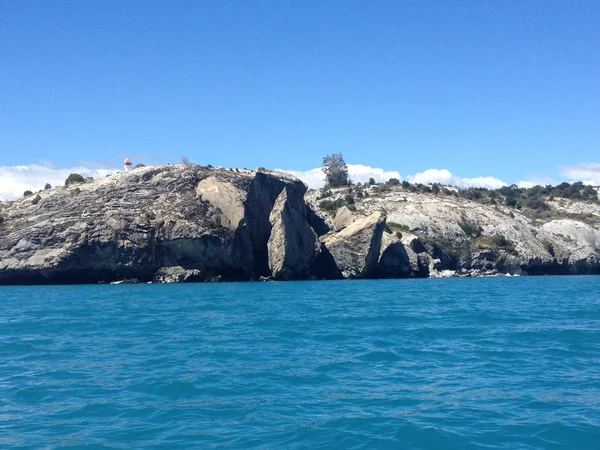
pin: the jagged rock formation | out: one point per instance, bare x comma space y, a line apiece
185, 223
355, 249
132, 224
177, 274
433, 240
293, 245
343, 218
395, 261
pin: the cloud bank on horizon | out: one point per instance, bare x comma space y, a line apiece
14, 180
589, 173
360, 174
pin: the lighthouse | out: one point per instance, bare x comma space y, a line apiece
127, 164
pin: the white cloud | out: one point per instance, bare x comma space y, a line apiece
589, 173
314, 178
444, 176
537, 181
359, 173
14, 180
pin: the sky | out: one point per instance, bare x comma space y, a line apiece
468, 93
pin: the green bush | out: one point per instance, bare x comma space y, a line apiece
332, 205
536, 203
73, 179
47, 186
499, 240
371, 181
27, 193
424, 188
381, 188
398, 227
496, 242
405, 184
470, 228
393, 182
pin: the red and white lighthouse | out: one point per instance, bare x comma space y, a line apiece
127, 164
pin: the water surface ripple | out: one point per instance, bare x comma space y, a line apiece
421, 364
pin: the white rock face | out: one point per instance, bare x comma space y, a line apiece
569, 232
356, 248
572, 239
225, 196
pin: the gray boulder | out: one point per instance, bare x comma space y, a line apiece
355, 249
343, 218
177, 274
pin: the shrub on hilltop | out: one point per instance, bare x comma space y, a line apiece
74, 178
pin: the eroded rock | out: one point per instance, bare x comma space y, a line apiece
293, 245
394, 261
177, 274
356, 248
343, 218
130, 224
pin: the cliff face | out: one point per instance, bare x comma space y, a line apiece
192, 223
428, 233
214, 222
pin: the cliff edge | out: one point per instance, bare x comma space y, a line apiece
181, 223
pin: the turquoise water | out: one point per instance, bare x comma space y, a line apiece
510, 363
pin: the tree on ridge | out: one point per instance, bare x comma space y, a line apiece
335, 170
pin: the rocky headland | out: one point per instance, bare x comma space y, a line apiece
186, 223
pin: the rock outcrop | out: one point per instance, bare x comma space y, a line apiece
185, 223
132, 224
433, 240
343, 218
177, 274
394, 261
356, 248
293, 245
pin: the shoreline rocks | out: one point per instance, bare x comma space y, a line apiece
189, 223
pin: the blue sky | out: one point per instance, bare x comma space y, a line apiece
503, 88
